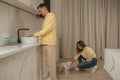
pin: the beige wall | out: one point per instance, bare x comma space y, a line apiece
11, 19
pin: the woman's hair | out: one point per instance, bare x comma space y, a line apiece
82, 44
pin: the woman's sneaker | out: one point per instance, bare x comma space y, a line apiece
93, 69
77, 69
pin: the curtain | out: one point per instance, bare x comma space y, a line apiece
96, 22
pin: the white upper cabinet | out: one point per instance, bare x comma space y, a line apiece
35, 3
26, 2
26, 5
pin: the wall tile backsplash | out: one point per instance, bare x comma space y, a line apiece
11, 19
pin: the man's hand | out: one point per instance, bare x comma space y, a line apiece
31, 35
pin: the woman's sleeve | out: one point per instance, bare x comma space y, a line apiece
77, 56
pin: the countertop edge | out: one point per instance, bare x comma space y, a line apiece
19, 50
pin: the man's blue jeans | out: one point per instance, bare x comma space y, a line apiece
86, 64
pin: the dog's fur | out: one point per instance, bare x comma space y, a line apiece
66, 66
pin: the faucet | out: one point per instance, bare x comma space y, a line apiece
18, 32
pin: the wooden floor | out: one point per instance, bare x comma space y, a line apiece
100, 74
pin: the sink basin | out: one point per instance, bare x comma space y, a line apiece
29, 40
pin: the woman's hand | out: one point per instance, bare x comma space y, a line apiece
72, 60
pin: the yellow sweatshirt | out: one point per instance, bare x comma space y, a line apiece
87, 53
48, 31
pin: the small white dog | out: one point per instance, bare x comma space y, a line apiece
66, 66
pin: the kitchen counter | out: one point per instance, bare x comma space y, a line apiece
112, 63
21, 62
10, 50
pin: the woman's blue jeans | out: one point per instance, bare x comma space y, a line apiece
86, 64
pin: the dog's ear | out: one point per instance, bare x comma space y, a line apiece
69, 62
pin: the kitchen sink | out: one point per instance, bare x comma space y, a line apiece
29, 40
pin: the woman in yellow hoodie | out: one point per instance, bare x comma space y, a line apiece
86, 57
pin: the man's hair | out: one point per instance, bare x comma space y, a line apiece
42, 5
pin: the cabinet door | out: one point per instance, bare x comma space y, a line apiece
108, 64
24, 5
39, 62
26, 2
21, 66
117, 66
35, 3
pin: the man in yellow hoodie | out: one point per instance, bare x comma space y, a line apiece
49, 36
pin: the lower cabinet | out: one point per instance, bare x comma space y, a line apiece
25, 65
112, 63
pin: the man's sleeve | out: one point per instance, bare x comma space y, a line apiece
48, 26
